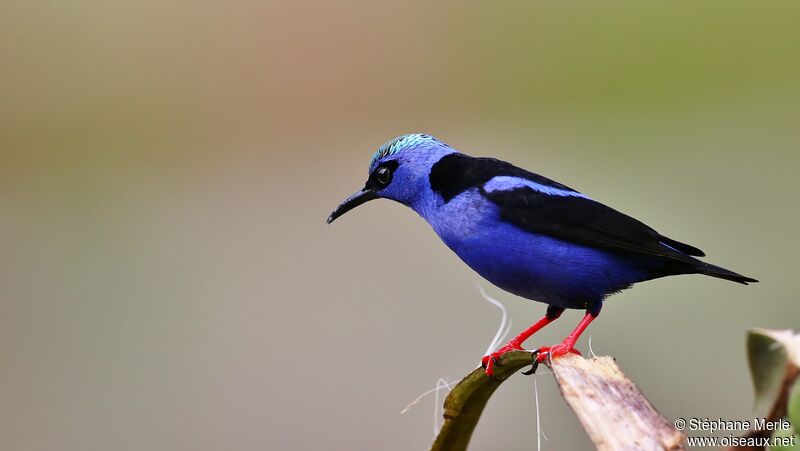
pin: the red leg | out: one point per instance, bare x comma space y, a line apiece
515, 344
568, 345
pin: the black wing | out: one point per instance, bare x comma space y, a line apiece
584, 221
569, 217
561, 212
456, 173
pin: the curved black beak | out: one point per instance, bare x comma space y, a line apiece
365, 195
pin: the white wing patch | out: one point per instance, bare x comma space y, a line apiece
507, 183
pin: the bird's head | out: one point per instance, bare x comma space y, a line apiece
398, 171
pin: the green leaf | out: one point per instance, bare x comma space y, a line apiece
464, 405
793, 406
785, 436
769, 352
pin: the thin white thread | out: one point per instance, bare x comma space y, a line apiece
539, 432
437, 415
502, 332
538, 423
426, 393
505, 333
591, 351
505, 326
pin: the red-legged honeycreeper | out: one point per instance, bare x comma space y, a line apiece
525, 233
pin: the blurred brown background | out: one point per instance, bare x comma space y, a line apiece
166, 168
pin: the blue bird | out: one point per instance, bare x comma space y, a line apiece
525, 233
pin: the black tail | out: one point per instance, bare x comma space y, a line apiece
683, 247
722, 273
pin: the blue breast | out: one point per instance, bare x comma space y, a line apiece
532, 265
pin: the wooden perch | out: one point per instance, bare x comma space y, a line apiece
610, 407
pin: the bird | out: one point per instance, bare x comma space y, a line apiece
525, 233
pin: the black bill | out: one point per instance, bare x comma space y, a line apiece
365, 195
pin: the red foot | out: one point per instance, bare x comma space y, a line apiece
555, 351
488, 361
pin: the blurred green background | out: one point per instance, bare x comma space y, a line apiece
169, 284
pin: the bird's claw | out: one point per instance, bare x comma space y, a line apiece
488, 362
563, 349
540, 355
534, 363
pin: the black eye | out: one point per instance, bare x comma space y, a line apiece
383, 175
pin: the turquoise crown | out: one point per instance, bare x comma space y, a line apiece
400, 143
